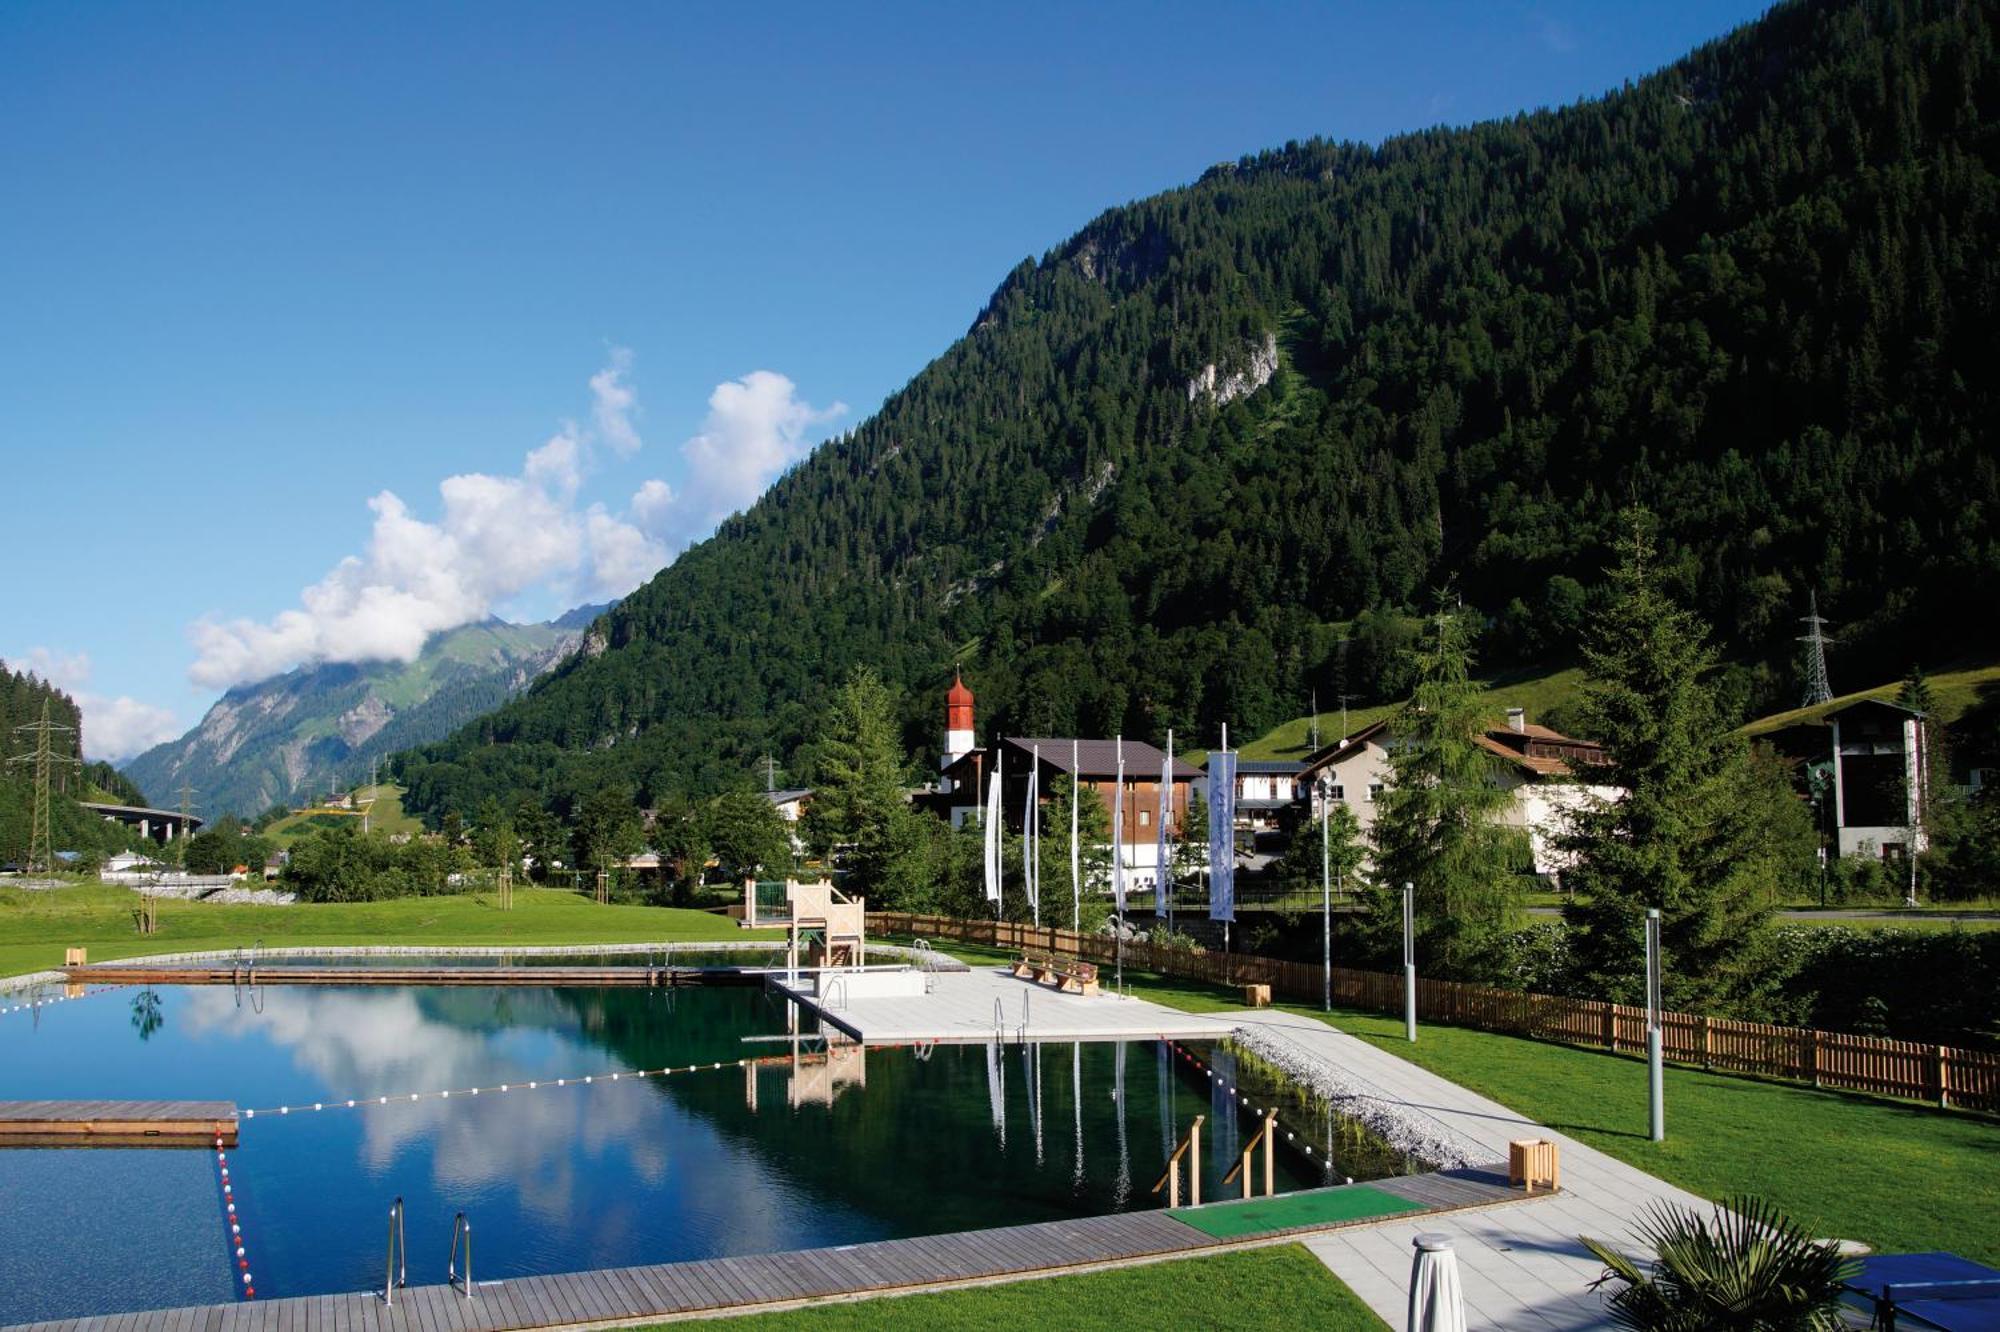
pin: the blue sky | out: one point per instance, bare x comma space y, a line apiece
264, 264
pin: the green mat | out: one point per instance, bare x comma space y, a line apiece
1287, 1211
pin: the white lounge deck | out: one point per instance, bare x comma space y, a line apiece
960, 1009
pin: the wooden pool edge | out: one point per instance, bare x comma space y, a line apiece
117, 1123
765, 1283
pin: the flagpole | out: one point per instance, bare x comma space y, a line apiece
1031, 837
1166, 888
1118, 860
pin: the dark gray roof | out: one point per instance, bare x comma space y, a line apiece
1099, 758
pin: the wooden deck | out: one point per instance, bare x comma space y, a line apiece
117, 1123
635, 977
760, 1281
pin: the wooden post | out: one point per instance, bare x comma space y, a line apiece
1194, 1159
1611, 1026
1173, 1183
1707, 1041
1944, 1077
1812, 1056
1270, 1136
1244, 1167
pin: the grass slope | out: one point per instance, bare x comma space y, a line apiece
1278, 1289
1955, 691
1538, 692
385, 815
35, 927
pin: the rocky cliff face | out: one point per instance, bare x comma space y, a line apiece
315, 728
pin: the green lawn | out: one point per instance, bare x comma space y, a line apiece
1278, 1288
35, 927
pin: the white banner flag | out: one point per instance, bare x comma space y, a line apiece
1075, 849
1161, 879
993, 833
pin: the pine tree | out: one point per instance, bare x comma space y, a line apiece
858, 812
1438, 826
1683, 835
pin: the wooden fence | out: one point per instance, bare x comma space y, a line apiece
1940, 1074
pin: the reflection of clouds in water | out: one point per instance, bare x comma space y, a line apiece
380, 1042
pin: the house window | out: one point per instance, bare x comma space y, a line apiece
1374, 790
1337, 792
1145, 818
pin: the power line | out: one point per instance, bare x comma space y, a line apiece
41, 837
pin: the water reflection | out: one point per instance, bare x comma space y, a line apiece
147, 1016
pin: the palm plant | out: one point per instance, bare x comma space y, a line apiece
1749, 1266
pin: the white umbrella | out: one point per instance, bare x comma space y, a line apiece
1436, 1302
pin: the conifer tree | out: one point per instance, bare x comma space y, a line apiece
1438, 826
1682, 836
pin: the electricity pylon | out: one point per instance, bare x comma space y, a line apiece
41, 838
1817, 690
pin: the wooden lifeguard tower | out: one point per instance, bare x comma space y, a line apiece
824, 927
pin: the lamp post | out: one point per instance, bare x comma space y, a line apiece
1656, 1091
1326, 893
1410, 961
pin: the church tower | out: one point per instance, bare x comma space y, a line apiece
958, 740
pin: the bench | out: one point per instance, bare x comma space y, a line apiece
1034, 966
1077, 977
1067, 974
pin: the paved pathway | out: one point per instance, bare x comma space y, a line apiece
1521, 1265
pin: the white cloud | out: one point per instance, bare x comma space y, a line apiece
494, 538
114, 729
615, 404
756, 428
497, 537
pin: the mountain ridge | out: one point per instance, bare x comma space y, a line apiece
294, 735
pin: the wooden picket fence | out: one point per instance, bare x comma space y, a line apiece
1943, 1075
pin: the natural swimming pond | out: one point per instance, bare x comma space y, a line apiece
787, 1153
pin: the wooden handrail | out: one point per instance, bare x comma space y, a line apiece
1170, 1178
1267, 1135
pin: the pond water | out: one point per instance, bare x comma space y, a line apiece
785, 1154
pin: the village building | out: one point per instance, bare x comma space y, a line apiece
1265, 789
1880, 779
966, 771
1546, 772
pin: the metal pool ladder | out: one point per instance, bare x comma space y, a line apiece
397, 1269
461, 1228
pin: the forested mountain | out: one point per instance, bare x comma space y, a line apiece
299, 734
1179, 460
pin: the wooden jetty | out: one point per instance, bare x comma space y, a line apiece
117, 1123
758, 1282
635, 977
